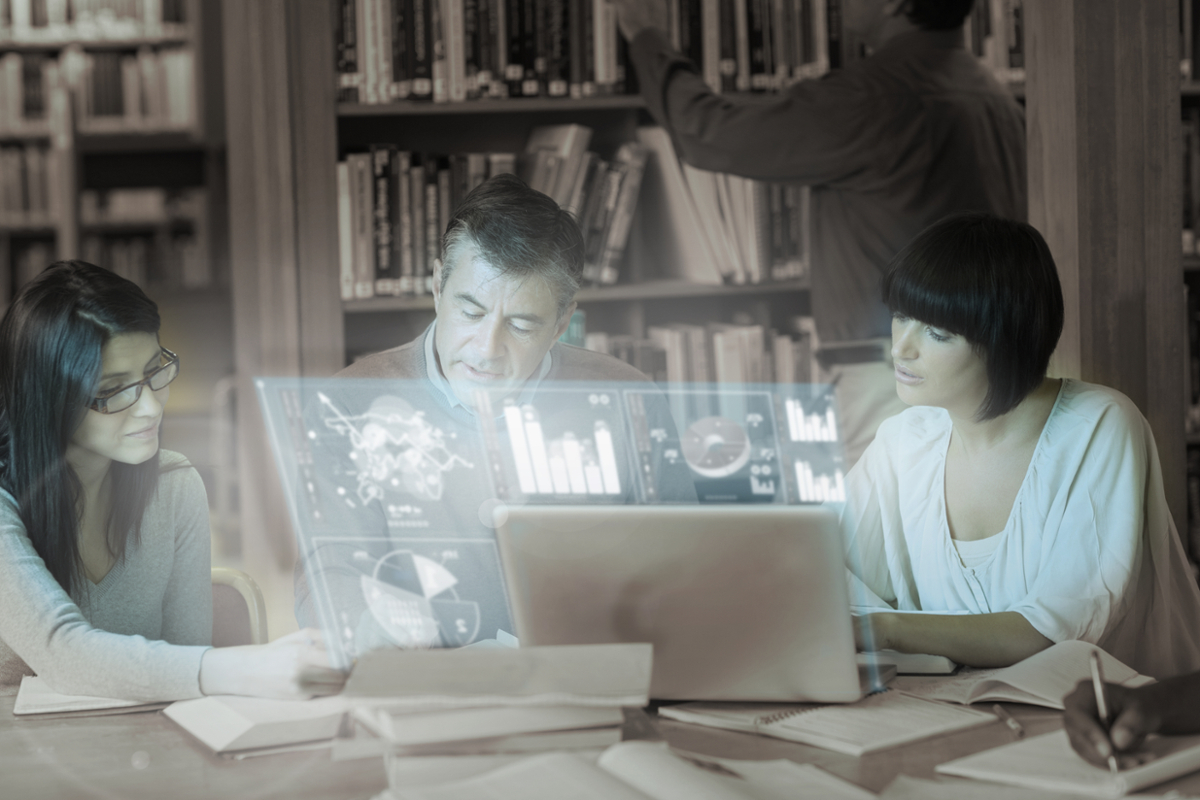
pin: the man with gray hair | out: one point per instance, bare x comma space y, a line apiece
503, 293
404, 484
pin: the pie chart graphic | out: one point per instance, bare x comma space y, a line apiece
715, 447
413, 599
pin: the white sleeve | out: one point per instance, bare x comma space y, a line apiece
870, 496
1092, 541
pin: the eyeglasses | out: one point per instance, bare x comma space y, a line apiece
121, 399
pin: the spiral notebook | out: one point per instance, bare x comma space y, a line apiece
879, 721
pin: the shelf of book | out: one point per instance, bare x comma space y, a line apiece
38, 44
489, 105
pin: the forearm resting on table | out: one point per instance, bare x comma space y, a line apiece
977, 640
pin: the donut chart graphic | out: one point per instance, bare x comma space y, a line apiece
417, 606
715, 447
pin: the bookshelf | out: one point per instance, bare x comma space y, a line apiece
112, 130
287, 131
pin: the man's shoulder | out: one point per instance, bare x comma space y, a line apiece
578, 364
406, 361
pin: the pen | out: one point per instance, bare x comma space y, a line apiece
1102, 704
1016, 727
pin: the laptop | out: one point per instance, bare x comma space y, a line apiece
740, 602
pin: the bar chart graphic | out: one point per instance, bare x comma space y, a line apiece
581, 460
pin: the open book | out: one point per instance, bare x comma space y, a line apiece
1048, 763
878, 721
1043, 679
36, 698
638, 771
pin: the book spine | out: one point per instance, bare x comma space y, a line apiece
514, 71
741, 27
417, 208
833, 34
419, 11
364, 250
383, 50
632, 158
368, 11
783, 28
728, 62
437, 39
401, 39
454, 33
386, 219
558, 63
530, 26
402, 168
472, 47
691, 30
758, 45
710, 27
345, 232
587, 45
345, 27
575, 48
432, 245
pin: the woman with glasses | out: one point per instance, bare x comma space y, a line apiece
105, 585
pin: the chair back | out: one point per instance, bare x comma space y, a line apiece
239, 611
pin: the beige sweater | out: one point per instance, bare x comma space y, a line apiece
138, 634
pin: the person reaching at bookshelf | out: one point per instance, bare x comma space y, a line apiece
889, 144
1169, 707
104, 538
1012, 509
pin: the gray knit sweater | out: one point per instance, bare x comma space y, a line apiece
138, 634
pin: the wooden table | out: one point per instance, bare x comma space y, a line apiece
134, 756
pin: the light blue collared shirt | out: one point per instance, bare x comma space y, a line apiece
433, 371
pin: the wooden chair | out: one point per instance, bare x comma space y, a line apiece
239, 611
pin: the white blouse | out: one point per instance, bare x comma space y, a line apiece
1089, 552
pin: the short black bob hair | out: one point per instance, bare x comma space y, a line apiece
993, 282
938, 15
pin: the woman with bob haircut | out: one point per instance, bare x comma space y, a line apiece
1013, 509
105, 581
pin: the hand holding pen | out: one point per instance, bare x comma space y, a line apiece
1102, 710
1107, 723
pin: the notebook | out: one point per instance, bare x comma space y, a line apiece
1043, 679
1048, 763
36, 698
879, 721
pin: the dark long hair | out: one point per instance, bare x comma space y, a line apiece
50, 365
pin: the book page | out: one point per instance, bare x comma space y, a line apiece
36, 697
1047, 762
1042, 679
787, 779
906, 787
875, 722
652, 768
